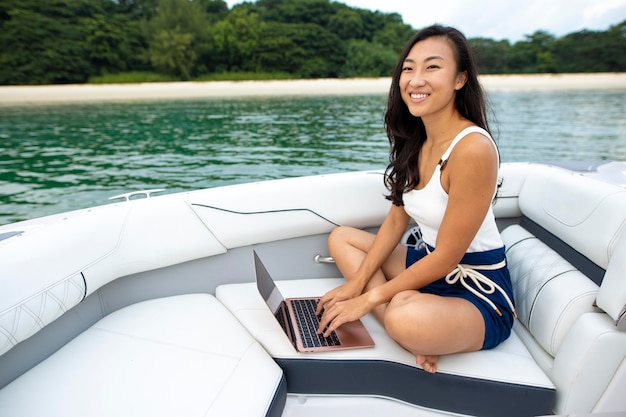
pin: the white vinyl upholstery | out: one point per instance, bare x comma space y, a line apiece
570, 334
53, 266
292, 212
510, 363
550, 293
612, 294
586, 367
570, 325
574, 207
30, 314
176, 356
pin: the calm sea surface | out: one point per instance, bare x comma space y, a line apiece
55, 158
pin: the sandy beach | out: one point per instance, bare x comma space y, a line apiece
186, 90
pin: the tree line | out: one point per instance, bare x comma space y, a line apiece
78, 41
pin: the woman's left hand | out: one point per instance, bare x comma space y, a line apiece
343, 312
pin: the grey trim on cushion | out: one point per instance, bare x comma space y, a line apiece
440, 391
280, 398
7, 235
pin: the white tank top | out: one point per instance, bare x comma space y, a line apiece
428, 205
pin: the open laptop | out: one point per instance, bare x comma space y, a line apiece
297, 318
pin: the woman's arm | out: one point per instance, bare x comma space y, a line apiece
385, 241
470, 178
387, 238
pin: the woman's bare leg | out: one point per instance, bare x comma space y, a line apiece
426, 325
429, 325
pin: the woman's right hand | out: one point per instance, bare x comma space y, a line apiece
347, 291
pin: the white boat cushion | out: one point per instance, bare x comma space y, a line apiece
176, 356
587, 364
612, 294
507, 374
578, 346
574, 207
26, 316
550, 293
59, 260
291, 212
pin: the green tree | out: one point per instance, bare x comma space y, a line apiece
68, 41
216, 9
546, 62
307, 50
393, 35
113, 42
373, 22
234, 41
171, 52
143, 9
590, 51
297, 11
364, 59
524, 56
177, 36
43, 43
347, 24
491, 56
614, 51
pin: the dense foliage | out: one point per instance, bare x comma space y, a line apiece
77, 41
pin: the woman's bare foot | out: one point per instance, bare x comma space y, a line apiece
428, 362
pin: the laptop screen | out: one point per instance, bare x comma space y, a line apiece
266, 286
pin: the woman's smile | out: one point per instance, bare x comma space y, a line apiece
416, 96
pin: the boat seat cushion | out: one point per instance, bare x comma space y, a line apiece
550, 293
177, 356
574, 207
612, 294
566, 259
501, 381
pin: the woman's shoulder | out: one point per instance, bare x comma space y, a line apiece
474, 142
475, 157
473, 129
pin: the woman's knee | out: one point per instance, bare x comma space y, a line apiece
429, 323
338, 234
340, 237
397, 312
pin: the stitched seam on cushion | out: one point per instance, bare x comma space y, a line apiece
164, 343
532, 308
253, 342
508, 248
568, 307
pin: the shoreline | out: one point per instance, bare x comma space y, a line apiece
76, 93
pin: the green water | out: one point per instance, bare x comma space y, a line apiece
56, 158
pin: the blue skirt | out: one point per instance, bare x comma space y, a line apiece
497, 328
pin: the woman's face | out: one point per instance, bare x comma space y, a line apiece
429, 78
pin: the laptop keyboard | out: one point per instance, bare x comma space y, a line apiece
308, 322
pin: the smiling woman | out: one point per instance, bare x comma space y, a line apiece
443, 172
423, 73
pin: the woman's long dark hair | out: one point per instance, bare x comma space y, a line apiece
406, 132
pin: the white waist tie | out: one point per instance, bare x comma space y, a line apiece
486, 285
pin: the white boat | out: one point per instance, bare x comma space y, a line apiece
148, 307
